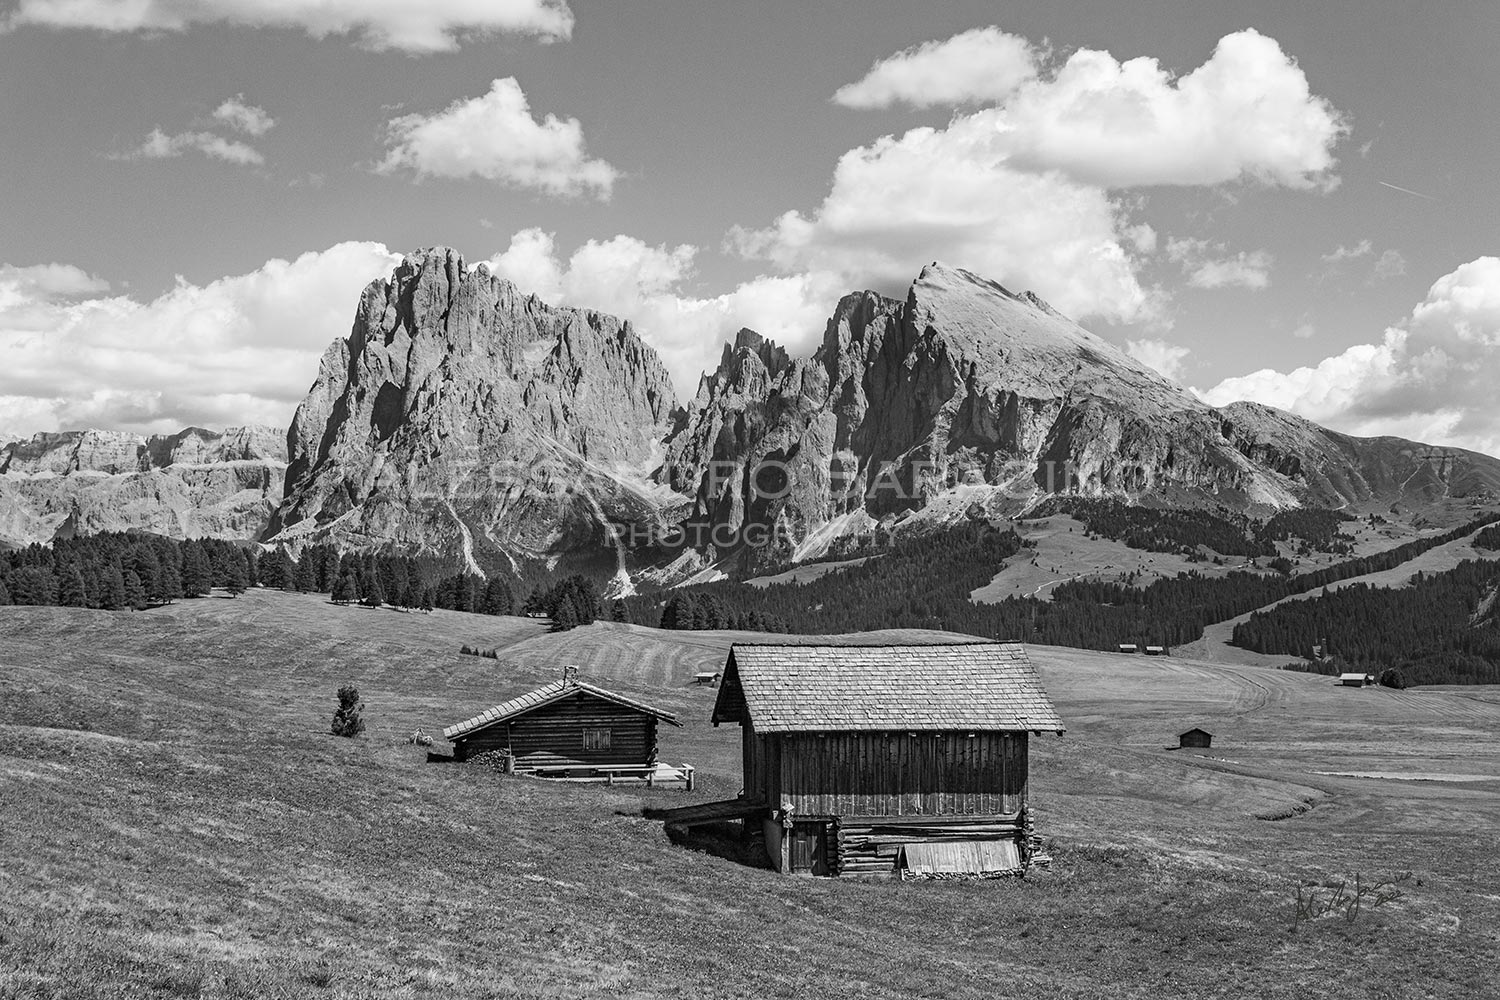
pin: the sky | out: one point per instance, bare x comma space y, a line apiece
1287, 202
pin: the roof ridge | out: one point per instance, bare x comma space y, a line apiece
886, 645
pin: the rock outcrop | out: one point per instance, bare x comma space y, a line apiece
465, 418
967, 399
195, 483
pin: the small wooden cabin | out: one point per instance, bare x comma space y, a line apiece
1129, 647
566, 724
1355, 680
1196, 738
1156, 650
864, 759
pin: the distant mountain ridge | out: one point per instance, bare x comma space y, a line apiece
469, 422
189, 484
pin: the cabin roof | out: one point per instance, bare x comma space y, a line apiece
1195, 729
547, 694
1357, 675
822, 688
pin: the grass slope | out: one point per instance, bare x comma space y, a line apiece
178, 823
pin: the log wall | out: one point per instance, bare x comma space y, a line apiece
553, 734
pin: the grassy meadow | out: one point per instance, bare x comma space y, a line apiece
177, 822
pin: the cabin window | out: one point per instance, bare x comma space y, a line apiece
596, 739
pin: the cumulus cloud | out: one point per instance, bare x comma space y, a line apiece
645, 284
983, 65
1210, 265
950, 194
1431, 379
429, 26
1168, 359
161, 146
1246, 113
495, 137
235, 350
1021, 191
242, 117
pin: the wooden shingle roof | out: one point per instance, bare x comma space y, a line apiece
546, 695
796, 688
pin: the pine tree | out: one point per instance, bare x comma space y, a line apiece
142, 560
4, 594
276, 571
113, 595
252, 568
374, 595
429, 598
565, 617
498, 599
33, 585
135, 591
169, 582
71, 593
344, 590
618, 611
197, 575
305, 577
234, 576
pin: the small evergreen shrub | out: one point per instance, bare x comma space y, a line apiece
347, 721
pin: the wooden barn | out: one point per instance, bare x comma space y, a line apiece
1355, 680
568, 728
874, 759
1201, 738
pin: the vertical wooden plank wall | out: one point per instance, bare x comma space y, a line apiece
897, 774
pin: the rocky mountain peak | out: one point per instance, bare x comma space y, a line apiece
433, 425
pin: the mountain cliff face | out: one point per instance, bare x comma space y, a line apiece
967, 399
462, 417
189, 484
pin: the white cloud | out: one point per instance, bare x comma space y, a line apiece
1020, 192
1210, 265
243, 117
1168, 359
46, 281
1390, 265
1431, 379
161, 146
949, 194
428, 26
1304, 331
236, 350
494, 137
1246, 113
634, 280
1342, 253
982, 65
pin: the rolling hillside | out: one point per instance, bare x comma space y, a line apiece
179, 824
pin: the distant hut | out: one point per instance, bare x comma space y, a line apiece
1129, 647
874, 759
568, 727
1198, 738
1352, 680
1156, 650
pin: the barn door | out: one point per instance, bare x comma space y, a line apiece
809, 848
